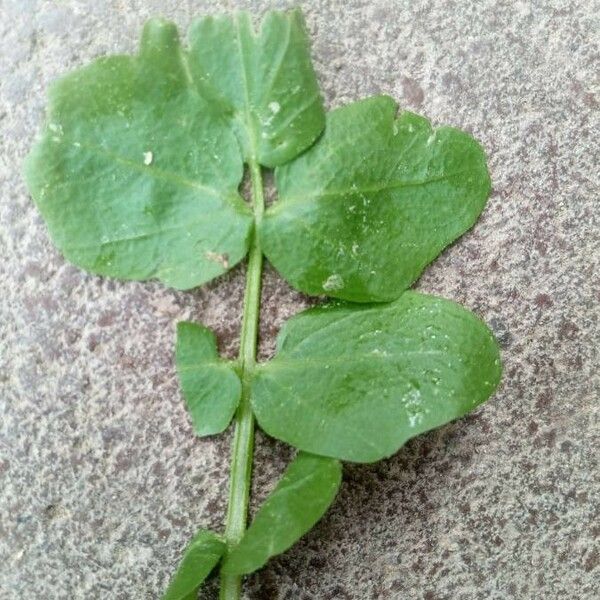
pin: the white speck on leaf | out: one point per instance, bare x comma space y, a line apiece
274, 107
413, 405
148, 158
378, 351
220, 259
333, 282
414, 420
56, 128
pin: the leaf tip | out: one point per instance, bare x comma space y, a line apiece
158, 34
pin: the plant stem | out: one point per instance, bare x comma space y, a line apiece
243, 441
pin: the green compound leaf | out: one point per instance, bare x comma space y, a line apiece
376, 199
356, 382
300, 499
211, 387
134, 176
137, 171
263, 83
200, 558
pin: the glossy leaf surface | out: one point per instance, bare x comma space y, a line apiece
374, 201
210, 385
262, 82
137, 171
134, 176
200, 558
300, 499
356, 382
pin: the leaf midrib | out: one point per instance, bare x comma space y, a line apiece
322, 361
155, 172
352, 191
251, 130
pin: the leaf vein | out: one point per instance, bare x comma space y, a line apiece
374, 189
158, 173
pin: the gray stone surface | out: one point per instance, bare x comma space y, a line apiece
101, 479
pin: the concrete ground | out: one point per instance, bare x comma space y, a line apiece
101, 480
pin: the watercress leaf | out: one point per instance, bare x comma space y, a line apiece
262, 83
133, 174
210, 385
355, 382
376, 199
307, 488
200, 558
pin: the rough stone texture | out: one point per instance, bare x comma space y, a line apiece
101, 479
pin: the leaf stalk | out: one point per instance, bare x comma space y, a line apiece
243, 441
